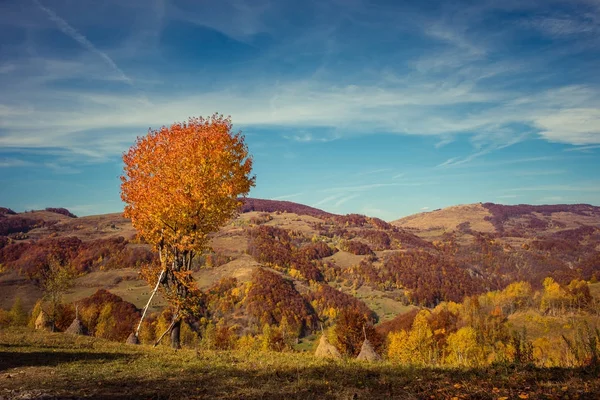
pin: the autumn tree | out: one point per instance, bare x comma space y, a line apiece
181, 183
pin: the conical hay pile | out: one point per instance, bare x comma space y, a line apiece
42, 322
76, 328
367, 352
132, 339
326, 349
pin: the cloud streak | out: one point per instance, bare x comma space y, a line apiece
82, 40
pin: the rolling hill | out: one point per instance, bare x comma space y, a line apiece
417, 260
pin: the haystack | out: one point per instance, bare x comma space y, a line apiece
132, 339
367, 352
326, 349
76, 328
42, 322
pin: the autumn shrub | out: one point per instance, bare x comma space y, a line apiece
307, 270
107, 315
400, 322
414, 347
16, 223
64, 314
379, 240
147, 334
163, 322
430, 278
315, 251
223, 297
270, 245
356, 248
271, 297
225, 338
18, 314
584, 346
272, 339
261, 218
248, 343
189, 336
35, 312
329, 302
350, 330
351, 220
463, 348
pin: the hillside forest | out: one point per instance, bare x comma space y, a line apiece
506, 285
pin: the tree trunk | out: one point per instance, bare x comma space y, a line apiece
175, 335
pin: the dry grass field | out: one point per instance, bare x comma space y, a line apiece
36, 365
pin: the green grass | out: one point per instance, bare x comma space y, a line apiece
45, 365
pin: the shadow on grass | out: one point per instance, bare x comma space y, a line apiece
16, 359
351, 381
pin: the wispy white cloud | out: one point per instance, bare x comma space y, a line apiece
373, 172
345, 199
82, 40
360, 188
14, 162
288, 196
447, 98
584, 149
326, 200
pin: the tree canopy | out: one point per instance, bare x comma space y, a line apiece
180, 183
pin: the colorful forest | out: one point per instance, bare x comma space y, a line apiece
471, 299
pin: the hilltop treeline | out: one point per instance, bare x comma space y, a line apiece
30, 258
250, 204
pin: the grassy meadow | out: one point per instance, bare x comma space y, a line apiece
56, 365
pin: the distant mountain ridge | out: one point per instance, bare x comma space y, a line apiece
264, 205
504, 219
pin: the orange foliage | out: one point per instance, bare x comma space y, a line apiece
181, 183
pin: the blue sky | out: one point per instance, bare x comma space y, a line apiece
377, 107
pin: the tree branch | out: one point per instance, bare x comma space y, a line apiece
137, 331
175, 318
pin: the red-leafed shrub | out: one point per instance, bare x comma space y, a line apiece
399, 322
108, 316
15, 224
380, 224
379, 240
271, 298
431, 279
357, 248
350, 330
7, 211
35, 260
270, 245
315, 251
327, 299
308, 269
351, 220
